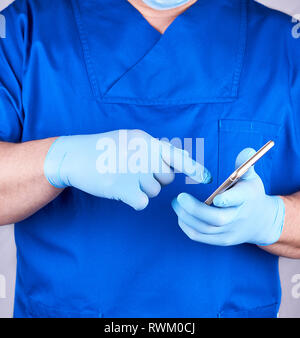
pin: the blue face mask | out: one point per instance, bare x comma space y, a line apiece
165, 4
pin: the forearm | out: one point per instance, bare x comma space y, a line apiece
23, 186
289, 242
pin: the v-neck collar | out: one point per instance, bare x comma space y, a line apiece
155, 14
198, 58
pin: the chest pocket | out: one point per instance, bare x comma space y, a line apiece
235, 135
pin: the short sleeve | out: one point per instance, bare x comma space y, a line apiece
12, 48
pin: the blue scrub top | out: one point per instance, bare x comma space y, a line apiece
226, 71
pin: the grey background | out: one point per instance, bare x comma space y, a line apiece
289, 269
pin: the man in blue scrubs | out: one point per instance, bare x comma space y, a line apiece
76, 77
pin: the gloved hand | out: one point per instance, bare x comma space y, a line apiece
126, 165
242, 214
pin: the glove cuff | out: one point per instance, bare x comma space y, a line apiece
53, 162
280, 216
277, 227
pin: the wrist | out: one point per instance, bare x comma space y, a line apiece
275, 231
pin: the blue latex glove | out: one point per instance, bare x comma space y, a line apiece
242, 214
100, 165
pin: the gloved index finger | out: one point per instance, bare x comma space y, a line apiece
180, 161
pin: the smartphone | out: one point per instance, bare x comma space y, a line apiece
239, 172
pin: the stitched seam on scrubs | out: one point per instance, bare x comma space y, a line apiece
247, 311
253, 126
130, 68
242, 48
148, 102
45, 309
86, 53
